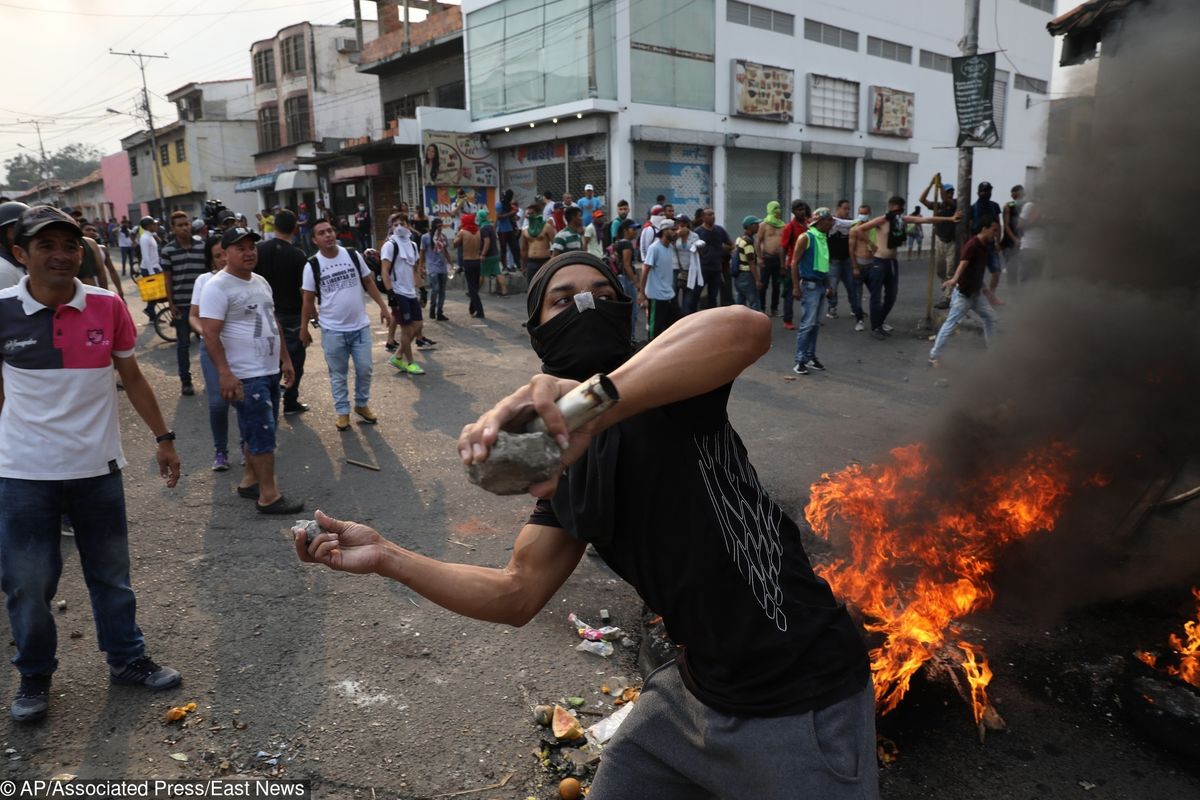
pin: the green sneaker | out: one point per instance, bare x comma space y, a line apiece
399, 363
415, 369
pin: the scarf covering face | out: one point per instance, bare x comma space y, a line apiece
774, 218
577, 344
468, 223
536, 223
481, 217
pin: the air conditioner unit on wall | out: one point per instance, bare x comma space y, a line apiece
347, 45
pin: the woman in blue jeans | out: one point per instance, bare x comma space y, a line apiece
218, 407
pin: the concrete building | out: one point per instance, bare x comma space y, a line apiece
88, 196
731, 104
420, 71
202, 155
308, 99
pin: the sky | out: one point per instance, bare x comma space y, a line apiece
60, 70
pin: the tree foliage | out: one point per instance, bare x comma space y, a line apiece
70, 163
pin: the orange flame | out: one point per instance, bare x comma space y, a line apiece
1187, 647
979, 675
920, 559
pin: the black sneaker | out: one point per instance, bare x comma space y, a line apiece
391, 346
815, 363
187, 390
800, 369
442, 318
144, 672
296, 408
878, 334
426, 344
32, 699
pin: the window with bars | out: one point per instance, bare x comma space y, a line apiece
264, 67
268, 128
180, 151
292, 49
405, 107
767, 19
164, 154
1000, 102
832, 102
295, 112
828, 34
935, 61
893, 51
1025, 83
1043, 5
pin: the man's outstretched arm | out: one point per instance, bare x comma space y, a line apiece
542, 559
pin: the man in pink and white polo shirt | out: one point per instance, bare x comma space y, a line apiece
59, 341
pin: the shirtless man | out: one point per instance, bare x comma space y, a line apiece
884, 272
769, 244
862, 246
536, 238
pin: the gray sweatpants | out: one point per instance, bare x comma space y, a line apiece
673, 747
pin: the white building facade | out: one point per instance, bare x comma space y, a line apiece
731, 104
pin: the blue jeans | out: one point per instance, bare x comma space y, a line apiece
883, 279
258, 413
183, 342
126, 258
630, 290
812, 297
218, 407
785, 289
960, 305
712, 284
31, 515
339, 349
747, 292
841, 270
437, 294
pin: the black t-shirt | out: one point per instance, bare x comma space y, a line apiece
945, 230
975, 253
619, 248
713, 253
282, 264
839, 245
672, 504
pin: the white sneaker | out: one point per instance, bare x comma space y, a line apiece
888, 328
858, 326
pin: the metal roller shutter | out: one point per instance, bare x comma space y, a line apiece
754, 178
682, 172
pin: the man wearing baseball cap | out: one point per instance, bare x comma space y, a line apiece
59, 342
747, 282
945, 244
589, 203
244, 342
657, 291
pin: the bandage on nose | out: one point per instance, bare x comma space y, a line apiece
584, 301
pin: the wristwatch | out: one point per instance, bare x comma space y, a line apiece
169, 436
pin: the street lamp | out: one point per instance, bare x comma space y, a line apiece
162, 206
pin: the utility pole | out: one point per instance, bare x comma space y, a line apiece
141, 57
37, 126
969, 46
358, 34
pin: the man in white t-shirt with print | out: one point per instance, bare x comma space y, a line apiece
345, 327
243, 339
399, 257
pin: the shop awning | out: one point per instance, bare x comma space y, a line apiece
296, 179
257, 182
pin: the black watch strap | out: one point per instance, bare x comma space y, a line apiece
169, 436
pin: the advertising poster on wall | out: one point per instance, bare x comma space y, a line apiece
891, 112
974, 82
457, 159
763, 92
447, 203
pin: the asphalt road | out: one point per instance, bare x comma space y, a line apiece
371, 691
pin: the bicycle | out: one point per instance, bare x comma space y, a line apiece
153, 289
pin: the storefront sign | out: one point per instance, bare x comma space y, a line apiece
974, 81
891, 112
457, 159
445, 202
763, 92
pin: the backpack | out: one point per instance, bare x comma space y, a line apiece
315, 267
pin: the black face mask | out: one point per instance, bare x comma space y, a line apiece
578, 344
